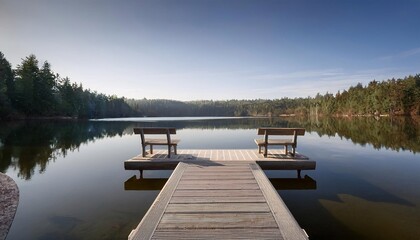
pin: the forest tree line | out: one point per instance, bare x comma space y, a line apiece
390, 97
32, 91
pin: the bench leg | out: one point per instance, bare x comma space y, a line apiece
259, 149
285, 149
298, 173
169, 151
294, 151
175, 149
151, 149
265, 150
144, 150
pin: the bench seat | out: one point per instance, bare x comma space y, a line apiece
161, 142
261, 142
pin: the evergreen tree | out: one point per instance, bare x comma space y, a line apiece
6, 87
27, 83
45, 90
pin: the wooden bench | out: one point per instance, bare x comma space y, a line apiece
282, 142
157, 141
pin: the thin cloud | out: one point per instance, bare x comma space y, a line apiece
411, 52
403, 54
299, 75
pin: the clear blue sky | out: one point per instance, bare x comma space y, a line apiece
232, 49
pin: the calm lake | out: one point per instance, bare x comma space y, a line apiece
73, 184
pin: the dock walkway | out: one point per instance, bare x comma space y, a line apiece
218, 200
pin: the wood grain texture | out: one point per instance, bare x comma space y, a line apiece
217, 193
217, 207
151, 219
235, 233
217, 220
217, 181
217, 176
199, 186
287, 224
201, 158
218, 199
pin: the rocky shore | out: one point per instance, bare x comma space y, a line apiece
9, 199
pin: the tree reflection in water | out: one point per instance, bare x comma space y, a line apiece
30, 145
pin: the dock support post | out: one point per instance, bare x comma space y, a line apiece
141, 173
298, 173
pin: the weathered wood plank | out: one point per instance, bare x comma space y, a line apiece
233, 233
217, 207
216, 181
243, 156
290, 229
218, 199
276, 159
207, 168
217, 220
215, 171
219, 173
217, 193
218, 186
151, 219
222, 164
217, 176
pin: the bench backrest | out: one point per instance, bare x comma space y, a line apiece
281, 131
149, 130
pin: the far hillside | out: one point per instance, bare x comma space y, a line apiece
34, 91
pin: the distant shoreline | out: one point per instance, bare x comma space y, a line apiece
59, 118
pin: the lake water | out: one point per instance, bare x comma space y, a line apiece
73, 184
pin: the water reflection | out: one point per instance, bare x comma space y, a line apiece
30, 145
396, 133
361, 193
390, 133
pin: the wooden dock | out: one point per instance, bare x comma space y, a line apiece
275, 160
218, 194
223, 200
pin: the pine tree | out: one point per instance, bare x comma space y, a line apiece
27, 84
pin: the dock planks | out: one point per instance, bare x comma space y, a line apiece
275, 160
222, 200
